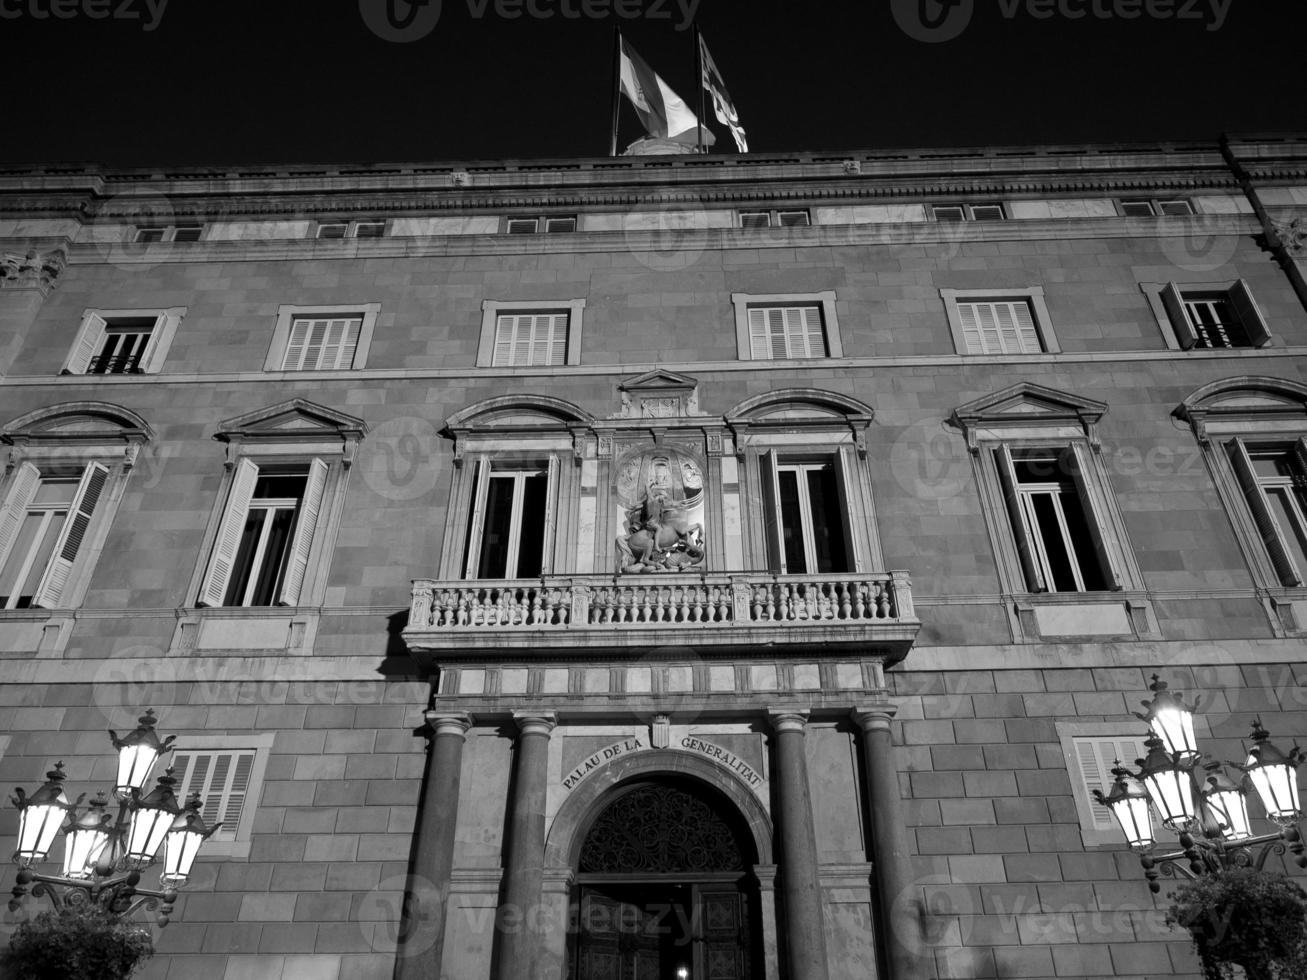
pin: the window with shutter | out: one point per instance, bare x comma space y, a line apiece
1096, 757
1210, 316
1059, 537
527, 339
223, 781
507, 532
811, 517
322, 344
1273, 478
44, 525
122, 341
261, 552
785, 332
1004, 327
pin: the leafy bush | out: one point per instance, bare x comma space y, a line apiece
1245, 917
83, 942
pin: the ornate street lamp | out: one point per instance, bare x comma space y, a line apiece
104, 856
1210, 812
1171, 720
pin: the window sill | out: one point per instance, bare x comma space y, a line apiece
244, 629
1093, 616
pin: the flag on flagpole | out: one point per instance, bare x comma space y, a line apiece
721, 99
663, 112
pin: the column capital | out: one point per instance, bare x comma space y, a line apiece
535, 722
788, 719
448, 722
875, 716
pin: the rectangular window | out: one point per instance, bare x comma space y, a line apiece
263, 543
122, 346
806, 507
46, 518
370, 229
122, 341
774, 218
350, 229
1274, 481
999, 321
968, 212
187, 233
335, 229
1142, 208
525, 339
1061, 544
169, 233
223, 782
811, 518
549, 224
322, 343
999, 327
506, 536
783, 332
1214, 316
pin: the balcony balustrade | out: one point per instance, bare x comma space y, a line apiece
613, 612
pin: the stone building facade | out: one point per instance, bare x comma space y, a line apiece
597, 568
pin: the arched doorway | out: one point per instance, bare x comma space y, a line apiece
663, 889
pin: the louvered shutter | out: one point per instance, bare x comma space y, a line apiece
846, 482
296, 344
1094, 776
306, 522
1267, 526
1007, 478
1173, 301
1098, 530
222, 780
88, 344
773, 533
216, 579
558, 338
71, 535
1027, 333
1250, 317
970, 320
759, 343
22, 491
550, 529
504, 328
814, 341
476, 521
144, 363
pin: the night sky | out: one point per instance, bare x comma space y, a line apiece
309, 81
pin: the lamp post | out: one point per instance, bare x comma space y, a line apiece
103, 855
1197, 798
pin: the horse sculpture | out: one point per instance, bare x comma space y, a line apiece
660, 537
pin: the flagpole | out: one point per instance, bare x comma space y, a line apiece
617, 87
698, 78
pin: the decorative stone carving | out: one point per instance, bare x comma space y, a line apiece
1292, 235
32, 270
661, 494
659, 395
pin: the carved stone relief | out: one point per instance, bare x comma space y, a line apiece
660, 493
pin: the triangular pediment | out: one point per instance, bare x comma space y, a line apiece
658, 379
1027, 402
296, 418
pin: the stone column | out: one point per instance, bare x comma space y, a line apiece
522, 913
894, 880
805, 938
426, 908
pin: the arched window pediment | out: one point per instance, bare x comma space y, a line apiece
1243, 402
83, 422
800, 410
